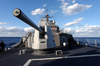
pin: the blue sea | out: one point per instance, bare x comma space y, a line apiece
90, 40
9, 41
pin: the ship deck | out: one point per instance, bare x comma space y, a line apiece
77, 56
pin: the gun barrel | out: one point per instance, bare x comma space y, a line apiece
19, 14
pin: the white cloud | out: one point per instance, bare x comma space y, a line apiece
76, 21
53, 11
11, 31
38, 11
64, 5
86, 31
44, 5
3, 23
70, 30
73, 9
73, 1
14, 31
29, 29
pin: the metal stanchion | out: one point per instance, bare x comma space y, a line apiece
86, 44
78, 41
5, 49
95, 43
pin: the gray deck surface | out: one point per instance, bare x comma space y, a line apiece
77, 56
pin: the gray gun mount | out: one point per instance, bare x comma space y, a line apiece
43, 37
19, 14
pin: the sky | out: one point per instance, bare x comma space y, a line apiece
81, 18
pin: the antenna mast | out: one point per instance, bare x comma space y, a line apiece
46, 11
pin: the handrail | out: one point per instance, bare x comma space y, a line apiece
24, 41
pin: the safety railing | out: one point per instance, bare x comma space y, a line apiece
10, 46
89, 42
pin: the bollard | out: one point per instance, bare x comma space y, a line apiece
20, 52
58, 52
23, 51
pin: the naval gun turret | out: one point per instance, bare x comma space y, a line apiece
43, 37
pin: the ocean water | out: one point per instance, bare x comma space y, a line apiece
9, 41
89, 40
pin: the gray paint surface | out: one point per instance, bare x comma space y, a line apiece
11, 58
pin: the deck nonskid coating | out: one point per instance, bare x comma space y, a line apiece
11, 58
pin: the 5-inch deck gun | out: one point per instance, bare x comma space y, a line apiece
43, 37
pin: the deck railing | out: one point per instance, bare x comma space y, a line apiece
10, 46
89, 42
